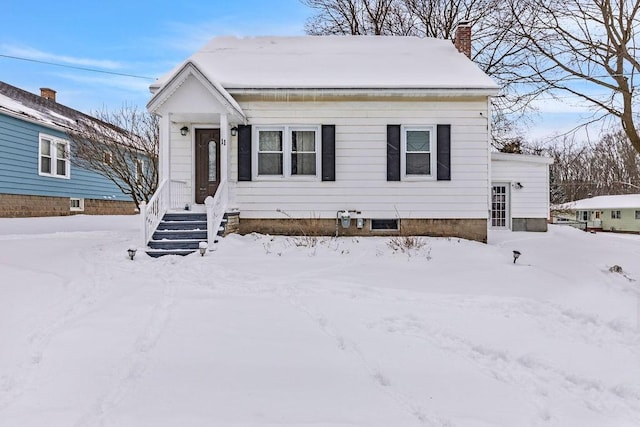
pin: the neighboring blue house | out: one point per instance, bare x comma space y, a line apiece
37, 177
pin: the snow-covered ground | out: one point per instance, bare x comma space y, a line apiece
263, 332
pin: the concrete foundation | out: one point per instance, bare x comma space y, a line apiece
472, 229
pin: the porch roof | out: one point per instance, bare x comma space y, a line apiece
190, 69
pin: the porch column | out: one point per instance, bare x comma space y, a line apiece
224, 150
164, 149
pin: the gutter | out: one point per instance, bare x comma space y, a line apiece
405, 92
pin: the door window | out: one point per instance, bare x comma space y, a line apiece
499, 206
213, 173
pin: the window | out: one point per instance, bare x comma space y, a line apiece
303, 152
53, 155
385, 224
107, 157
288, 151
417, 151
77, 204
637, 214
270, 150
616, 215
139, 170
582, 215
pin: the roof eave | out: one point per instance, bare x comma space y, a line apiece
526, 158
34, 120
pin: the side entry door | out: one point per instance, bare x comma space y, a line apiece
500, 217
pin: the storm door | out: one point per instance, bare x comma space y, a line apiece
500, 205
207, 163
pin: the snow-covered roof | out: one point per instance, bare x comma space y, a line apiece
34, 108
23, 104
336, 62
622, 201
514, 157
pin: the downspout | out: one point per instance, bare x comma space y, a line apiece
489, 176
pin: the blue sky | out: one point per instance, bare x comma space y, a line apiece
128, 37
146, 39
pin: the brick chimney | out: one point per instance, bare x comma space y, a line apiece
47, 93
462, 41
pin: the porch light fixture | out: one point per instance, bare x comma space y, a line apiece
516, 255
184, 131
518, 185
234, 131
132, 252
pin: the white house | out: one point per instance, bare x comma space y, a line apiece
297, 134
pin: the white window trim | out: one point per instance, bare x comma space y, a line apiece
403, 153
81, 205
142, 164
286, 152
54, 157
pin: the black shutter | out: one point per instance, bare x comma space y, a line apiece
328, 152
444, 152
393, 152
244, 153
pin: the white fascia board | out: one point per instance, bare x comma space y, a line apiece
191, 69
406, 92
526, 158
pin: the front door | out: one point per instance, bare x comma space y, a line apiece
207, 163
500, 205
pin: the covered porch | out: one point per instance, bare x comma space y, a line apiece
196, 120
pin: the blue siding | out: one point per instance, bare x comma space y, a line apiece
19, 166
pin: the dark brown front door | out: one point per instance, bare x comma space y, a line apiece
207, 163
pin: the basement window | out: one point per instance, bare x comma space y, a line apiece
77, 205
385, 225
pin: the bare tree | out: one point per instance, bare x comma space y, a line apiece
610, 166
357, 17
122, 146
587, 49
496, 49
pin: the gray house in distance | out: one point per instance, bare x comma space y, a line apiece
37, 177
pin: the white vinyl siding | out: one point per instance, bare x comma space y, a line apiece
532, 200
361, 144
